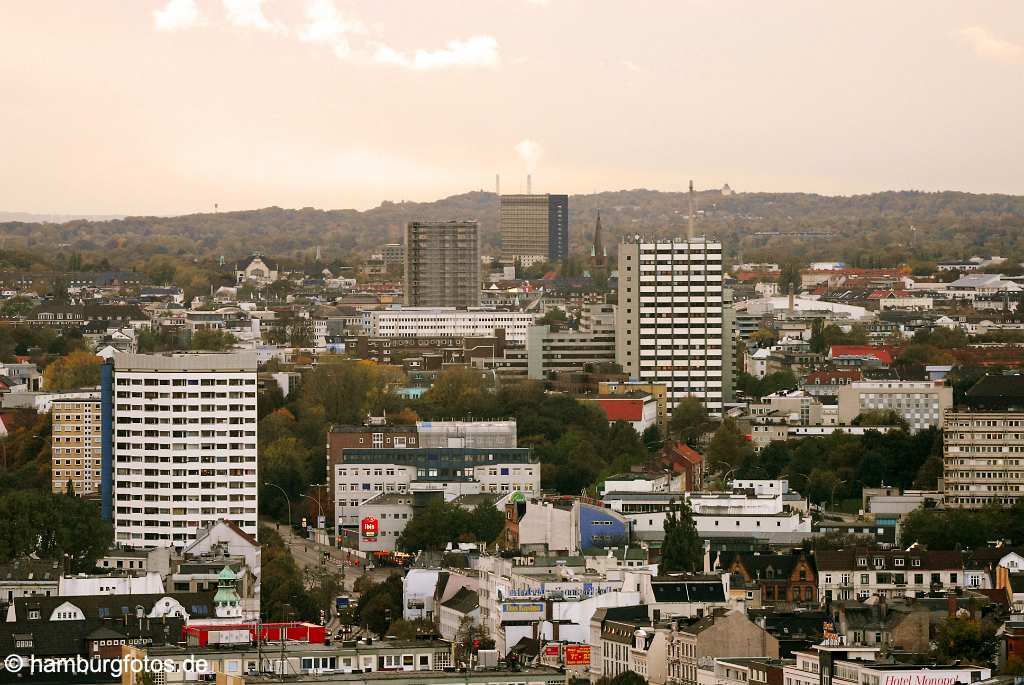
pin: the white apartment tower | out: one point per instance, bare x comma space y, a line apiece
179, 445
669, 320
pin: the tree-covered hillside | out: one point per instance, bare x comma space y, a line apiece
863, 229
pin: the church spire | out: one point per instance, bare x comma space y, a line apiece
598, 257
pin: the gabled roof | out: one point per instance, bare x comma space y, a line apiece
883, 354
464, 601
679, 454
244, 264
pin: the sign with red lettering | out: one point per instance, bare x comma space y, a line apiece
370, 528
577, 655
551, 650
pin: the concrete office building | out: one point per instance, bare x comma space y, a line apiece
393, 253
179, 445
447, 322
75, 444
442, 264
365, 473
535, 228
554, 351
670, 318
920, 403
433, 434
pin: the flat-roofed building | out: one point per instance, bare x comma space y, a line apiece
442, 264
534, 228
76, 454
179, 445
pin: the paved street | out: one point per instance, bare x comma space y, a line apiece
307, 554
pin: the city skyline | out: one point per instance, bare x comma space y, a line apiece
173, 106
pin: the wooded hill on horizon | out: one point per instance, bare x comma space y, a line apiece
878, 229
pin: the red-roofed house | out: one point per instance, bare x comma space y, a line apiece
638, 408
684, 461
860, 355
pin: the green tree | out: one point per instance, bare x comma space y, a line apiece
728, 446
966, 640
52, 526
553, 317
682, 549
789, 276
151, 340
348, 391
77, 370
822, 485
878, 417
283, 594
459, 392
690, 420
652, 439
380, 604
487, 522
434, 526
212, 340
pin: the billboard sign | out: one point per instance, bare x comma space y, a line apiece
577, 655
369, 527
522, 611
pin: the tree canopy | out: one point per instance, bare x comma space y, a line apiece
76, 370
682, 549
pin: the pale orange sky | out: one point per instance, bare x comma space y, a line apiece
168, 106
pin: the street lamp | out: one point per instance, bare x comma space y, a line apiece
725, 478
319, 511
289, 499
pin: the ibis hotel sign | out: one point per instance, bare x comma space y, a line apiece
370, 528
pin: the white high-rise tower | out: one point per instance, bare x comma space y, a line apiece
669, 319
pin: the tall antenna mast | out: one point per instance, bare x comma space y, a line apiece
689, 226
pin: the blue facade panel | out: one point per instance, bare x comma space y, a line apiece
601, 527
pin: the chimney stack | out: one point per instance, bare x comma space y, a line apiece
689, 226
529, 184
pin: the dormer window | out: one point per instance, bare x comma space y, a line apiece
897, 562
862, 561
33, 614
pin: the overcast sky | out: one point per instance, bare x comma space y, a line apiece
168, 106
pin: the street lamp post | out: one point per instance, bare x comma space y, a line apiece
725, 478
287, 498
319, 510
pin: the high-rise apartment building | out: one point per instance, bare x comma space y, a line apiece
535, 228
670, 317
982, 458
75, 444
442, 264
179, 445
